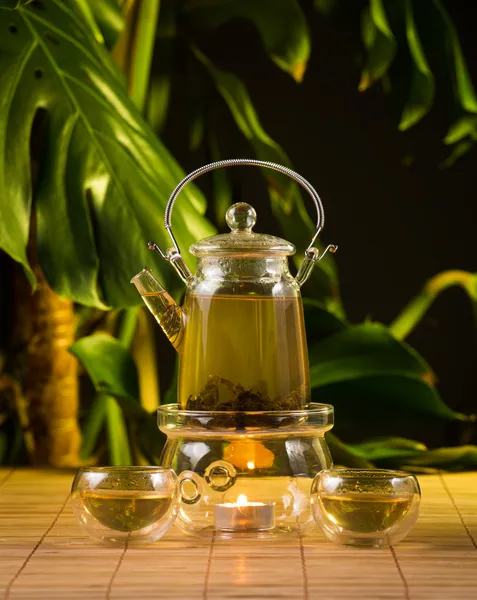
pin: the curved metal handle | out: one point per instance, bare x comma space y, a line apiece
312, 255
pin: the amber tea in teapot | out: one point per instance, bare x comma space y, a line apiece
240, 332
252, 354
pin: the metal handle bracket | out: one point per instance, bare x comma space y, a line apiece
312, 255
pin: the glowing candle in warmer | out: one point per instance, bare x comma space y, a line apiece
244, 515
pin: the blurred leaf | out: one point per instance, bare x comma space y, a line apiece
281, 24
105, 178
384, 403
223, 195
320, 323
158, 101
141, 49
362, 351
345, 455
326, 7
386, 448
127, 325
113, 373
109, 365
84, 8
287, 203
170, 396
412, 314
93, 425
151, 440
367, 374
459, 150
457, 458
412, 455
161, 79
465, 95
379, 41
109, 18
460, 129
197, 128
118, 440
464, 88
422, 83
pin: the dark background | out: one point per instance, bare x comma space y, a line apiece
396, 225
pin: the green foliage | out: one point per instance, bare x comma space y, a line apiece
421, 93
113, 373
345, 455
110, 366
119, 378
363, 350
223, 194
412, 314
104, 177
286, 37
402, 28
160, 84
364, 365
105, 19
383, 450
401, 453
379, 41
459, 458
285, 198
325, 6
101, 178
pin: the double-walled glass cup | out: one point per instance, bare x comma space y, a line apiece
361, 507
125, 504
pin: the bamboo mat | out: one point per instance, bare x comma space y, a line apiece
44, 555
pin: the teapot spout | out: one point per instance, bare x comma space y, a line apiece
162, 306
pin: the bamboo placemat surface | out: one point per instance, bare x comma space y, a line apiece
43, 554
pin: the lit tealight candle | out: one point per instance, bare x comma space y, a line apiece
244, 515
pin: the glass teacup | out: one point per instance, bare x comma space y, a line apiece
119, 504
361, 507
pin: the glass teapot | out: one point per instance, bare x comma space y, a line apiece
240, 332
244, 438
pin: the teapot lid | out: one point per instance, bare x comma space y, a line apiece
241, 218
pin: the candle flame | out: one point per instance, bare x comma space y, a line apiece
251, 464
242, 500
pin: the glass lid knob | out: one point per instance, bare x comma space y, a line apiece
241, 217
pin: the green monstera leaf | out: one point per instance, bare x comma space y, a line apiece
104, 178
